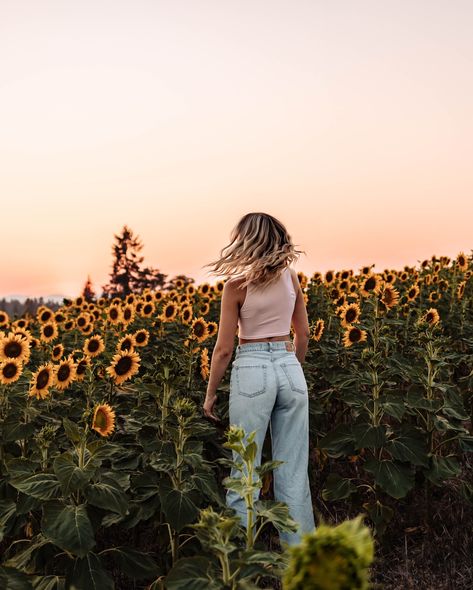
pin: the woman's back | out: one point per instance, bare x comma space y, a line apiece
268, 311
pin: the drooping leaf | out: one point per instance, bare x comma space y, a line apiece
135, 564
108, 495
39, 485
193, 573
68, 527
393, 477
88, 573
337, 487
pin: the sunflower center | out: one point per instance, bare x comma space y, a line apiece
48, 331
123, 365
355, 335
63, 373
13, 349
42, 379
93, 345
9, 370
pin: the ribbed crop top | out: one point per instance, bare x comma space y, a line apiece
268, 312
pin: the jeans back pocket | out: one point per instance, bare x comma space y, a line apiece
250, 379
295, 376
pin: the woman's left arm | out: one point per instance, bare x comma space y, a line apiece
223, 350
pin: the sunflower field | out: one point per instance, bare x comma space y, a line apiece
110, 476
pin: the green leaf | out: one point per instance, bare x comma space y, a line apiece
135, 564
12, 579
393, 405
409, 445
179, 506
20, 467
380, 514
466, 442
88, 574
394, 478
17, 431
73, 432
339, 441
453, 406
71, 476
193, 573
39, 485
337, 488
47, 582
108, 495
442, 468
276, 513
368, 436
68, 527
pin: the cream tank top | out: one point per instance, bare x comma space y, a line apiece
268, 312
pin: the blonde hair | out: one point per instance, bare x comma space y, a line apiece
260, 249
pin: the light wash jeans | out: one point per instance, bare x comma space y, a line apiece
268, 386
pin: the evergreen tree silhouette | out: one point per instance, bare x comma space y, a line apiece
88, 292
127, 276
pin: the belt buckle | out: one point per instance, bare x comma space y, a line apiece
289, 346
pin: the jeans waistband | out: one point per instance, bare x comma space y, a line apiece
268, 346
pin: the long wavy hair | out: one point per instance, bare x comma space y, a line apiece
260, 249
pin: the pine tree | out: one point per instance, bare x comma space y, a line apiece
88, 292
127, 276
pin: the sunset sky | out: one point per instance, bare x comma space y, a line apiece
352, 122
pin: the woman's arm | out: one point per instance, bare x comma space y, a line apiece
223, 350
300, 321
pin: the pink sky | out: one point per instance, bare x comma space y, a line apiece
350, 121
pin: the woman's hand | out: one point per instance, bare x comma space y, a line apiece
209, 402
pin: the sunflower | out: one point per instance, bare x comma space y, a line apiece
140, 337
431, 316
212, 328
147, 309
462, 262
199, 330
350, 314
204, 308
125, 343
82, 320
372, 284
44, 314
329, 277
130, 298
169, 312
57, 352
204, 364
93, 346
41, 381
103, 420
186, 314
4, 318
434, 296
87, 329
353, 335
10, 371
22, 323
14, 346
366, 270
48, 331
128, 313
69, 325
114, 314
65, 373
413, 292
190, 289
124, 365
81, 368
389, 296
219, 285
158, 296
461, 289
204, 288
318, 330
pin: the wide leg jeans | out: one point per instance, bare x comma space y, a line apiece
268, 387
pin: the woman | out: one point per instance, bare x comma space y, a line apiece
267, 385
